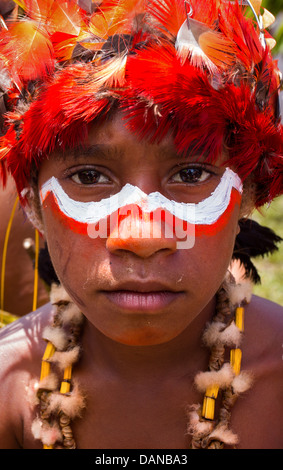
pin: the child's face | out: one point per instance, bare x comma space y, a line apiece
136, 289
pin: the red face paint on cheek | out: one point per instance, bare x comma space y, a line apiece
70, 224
133, 214
140, 224
222, 222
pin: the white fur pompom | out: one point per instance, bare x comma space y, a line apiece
225, 435
223, 378
72, 314
71, 404
48, 434
241, 292
242, 382
66, 358
195, 425
58, 294
36, 428
217, 332
49, 383
56, 336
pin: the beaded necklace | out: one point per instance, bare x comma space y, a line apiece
60, 401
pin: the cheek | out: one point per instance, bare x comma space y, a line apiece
72, 253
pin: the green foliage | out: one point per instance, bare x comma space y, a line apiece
271, 267
276, 8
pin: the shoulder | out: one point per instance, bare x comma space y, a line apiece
264, 328
19, 339
21, 349
258, 415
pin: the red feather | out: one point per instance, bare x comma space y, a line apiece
171, 14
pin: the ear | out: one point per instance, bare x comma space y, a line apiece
32, 209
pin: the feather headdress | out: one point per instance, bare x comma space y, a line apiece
201, 69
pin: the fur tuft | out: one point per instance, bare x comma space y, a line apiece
49, 383
58, 294
48, 434
225, 435
66, 358
240, 294
56, 336
31, 393
217, 332
242, 382
195, 425
72, 314
223, 378
71, 404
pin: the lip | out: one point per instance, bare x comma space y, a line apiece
144, 297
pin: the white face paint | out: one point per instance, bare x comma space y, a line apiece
206, 212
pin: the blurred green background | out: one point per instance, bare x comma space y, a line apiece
271, 268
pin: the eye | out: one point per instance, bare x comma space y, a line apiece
191, 175
89, 177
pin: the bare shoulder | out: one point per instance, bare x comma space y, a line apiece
264, 329
21, 349
258, 415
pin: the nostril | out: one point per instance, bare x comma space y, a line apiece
142, 247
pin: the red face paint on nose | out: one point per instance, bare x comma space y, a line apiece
129, 227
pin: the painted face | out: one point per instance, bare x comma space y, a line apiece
119, 215
182, 220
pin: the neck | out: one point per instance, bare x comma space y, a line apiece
183, 354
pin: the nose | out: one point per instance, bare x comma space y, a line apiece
142, 234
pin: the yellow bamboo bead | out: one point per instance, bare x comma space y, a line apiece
47, 447
239, 320
45, 366
208, 408
65, 384
45, 370
212, 392
209, 402
49, 351
235, 360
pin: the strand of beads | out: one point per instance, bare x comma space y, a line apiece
225, 379
59, 401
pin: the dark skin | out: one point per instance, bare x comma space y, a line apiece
138, 365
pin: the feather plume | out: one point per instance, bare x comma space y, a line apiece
205, 46
37, 10
171, 14
113, 17
27, 50
254, 241
64, 17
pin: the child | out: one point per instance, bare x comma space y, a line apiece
140, 134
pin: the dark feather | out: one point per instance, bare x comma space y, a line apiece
254, 240
45, 268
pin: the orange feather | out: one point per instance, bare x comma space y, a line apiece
171, 14
65, 17
114, 17
27, 50
36, 9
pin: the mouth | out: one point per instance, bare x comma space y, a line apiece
149, 297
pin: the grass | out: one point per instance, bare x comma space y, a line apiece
271, 268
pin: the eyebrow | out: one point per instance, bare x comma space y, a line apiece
99, 151
109, 152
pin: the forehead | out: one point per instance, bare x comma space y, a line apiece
114, 140
116, 133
